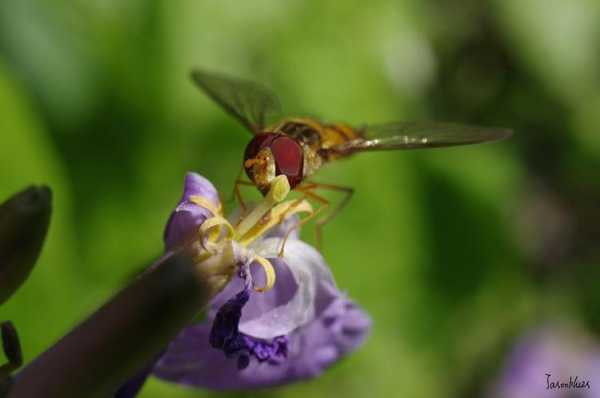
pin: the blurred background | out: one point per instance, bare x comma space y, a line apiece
479, 265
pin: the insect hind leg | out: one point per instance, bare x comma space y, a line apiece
321, 222
324, 204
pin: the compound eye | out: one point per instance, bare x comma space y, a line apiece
258, 143
289, 158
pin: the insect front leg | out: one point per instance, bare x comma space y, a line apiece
237, 193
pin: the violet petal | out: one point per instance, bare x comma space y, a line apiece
188, 216
337, 329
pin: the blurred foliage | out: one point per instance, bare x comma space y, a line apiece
459, 250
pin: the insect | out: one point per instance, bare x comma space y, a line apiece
298, 147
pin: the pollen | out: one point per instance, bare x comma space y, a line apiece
259, 161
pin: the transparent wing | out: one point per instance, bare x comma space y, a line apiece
417, 135
249, 102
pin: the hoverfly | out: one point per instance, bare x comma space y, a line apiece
298, 146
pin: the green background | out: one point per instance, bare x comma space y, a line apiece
453, 252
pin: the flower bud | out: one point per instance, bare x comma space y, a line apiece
24, 220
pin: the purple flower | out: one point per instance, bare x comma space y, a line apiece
188, 216
274, 318
551, 363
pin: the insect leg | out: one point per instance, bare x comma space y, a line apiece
307, 191
238, 194
345, 190
235, 192
324, 203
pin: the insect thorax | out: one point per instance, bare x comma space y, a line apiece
306, 131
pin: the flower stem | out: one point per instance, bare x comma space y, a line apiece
121, 338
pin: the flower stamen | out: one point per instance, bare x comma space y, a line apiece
270, 211
280, 188
206, 203
277, 215
269, 273
212, 228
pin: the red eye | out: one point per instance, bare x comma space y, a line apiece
289, 158
258, 143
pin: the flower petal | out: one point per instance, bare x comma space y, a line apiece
187, 216
340, 328
555, 350
295, 298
